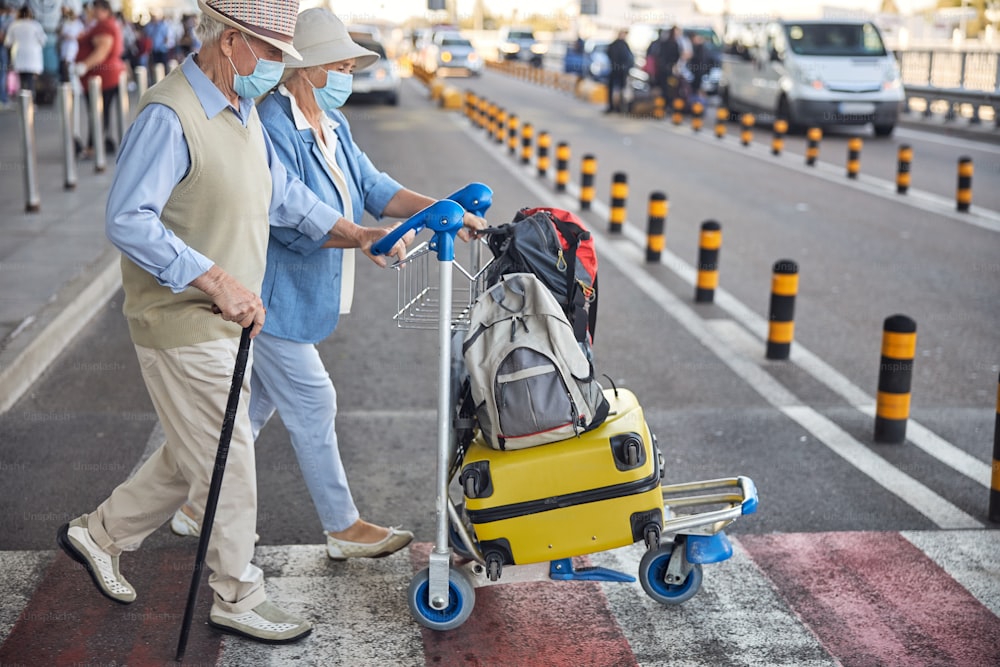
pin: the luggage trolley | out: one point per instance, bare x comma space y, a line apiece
683, 531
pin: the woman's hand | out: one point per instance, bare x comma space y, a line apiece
471, 223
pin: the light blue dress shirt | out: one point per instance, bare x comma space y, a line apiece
154, 158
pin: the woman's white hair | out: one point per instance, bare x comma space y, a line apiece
209, 29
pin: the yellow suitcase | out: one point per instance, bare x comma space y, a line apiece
583, 495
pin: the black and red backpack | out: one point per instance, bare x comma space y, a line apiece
555, 245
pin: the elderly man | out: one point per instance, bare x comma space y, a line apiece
196, 184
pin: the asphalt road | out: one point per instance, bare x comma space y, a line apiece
801, 428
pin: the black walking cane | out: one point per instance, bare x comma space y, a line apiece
215, 486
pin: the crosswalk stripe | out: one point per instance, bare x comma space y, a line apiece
876, 599
812, 600
736, 618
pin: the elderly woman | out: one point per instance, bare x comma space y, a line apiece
307, 285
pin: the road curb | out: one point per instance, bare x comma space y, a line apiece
44, 335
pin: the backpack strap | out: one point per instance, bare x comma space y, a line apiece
577, 299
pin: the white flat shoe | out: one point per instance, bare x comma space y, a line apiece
393, 542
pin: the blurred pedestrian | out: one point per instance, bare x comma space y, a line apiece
100, 57
699, 64
622, 60
70, 28
6, 18
26, 40
161, 36
307, 286
668, 55
197, 185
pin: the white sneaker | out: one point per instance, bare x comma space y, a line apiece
74, 538
183, 525
266, 623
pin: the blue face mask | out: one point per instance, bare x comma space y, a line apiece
336, 91
265, 76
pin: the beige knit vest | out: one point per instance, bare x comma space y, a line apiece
220, 209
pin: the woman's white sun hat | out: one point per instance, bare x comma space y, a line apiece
322, 38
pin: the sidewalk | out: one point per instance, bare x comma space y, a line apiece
56, 265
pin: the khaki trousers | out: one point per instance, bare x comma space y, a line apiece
189, 387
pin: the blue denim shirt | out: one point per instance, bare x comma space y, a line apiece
302, 281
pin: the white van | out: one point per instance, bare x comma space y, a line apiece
817, 72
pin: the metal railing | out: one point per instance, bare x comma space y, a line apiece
953, 83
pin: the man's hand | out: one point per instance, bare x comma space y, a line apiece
231, 299
80, 68
471, 223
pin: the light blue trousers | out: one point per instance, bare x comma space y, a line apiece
290, 377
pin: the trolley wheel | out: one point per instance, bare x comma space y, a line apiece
653, 573
461, 599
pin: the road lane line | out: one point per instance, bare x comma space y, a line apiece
629, 260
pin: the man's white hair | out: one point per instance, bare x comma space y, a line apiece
209, 29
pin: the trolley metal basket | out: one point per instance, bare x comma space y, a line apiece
418, 292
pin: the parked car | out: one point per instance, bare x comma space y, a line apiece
381, 81
596, 64
449, 52
819, 72
520, 44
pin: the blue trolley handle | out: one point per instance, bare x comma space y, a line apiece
443, 217
474, 198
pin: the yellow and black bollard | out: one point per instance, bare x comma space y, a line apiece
659, 108
904, 157
781, 318
512, 124
813, 136
544, 142
995, 478
656, 231
483, 113
721, 118
527, 134
853, 157
562, 166
678, 116
892, 407
619, 195
963, 196
588, 170
709, 244
470, 106
500, 127
746, 133
778, 140
697, 113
